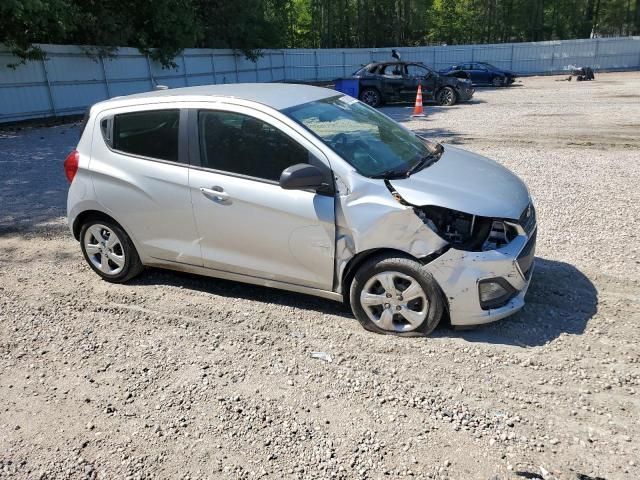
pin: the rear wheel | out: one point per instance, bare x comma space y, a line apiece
109, 251
397, 296
447, 97
371, 96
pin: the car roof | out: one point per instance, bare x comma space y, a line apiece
275, 95
397, 62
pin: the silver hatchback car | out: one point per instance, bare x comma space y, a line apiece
303, 189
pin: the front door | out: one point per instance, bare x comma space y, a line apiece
422, 75
247, 224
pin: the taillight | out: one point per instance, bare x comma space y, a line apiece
71, 165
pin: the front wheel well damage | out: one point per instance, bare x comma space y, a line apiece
360, 258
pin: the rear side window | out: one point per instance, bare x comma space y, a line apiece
236, 143
152, 134
393, 69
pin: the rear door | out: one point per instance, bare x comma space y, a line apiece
247, 224
140, 175
393, 80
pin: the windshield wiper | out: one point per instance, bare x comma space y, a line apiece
422, 163
390, 174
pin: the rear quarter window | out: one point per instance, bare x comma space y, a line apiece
152, 134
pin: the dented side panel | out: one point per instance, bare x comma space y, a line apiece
368, 218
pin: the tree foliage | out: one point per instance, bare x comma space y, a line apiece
162, 28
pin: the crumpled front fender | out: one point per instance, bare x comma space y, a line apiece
371, 219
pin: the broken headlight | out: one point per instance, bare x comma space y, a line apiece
465, 231
501, 234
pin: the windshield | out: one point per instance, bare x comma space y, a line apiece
372, 143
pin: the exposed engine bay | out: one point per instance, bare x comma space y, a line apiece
463, 231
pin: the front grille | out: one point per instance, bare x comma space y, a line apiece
526, 256
528, 219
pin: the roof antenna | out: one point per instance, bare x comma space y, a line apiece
395, 54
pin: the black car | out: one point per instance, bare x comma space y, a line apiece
398, 81
481, 73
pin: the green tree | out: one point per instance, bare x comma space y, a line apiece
162, 28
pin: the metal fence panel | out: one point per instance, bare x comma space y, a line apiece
72, 77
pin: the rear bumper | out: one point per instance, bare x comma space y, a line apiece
459, 272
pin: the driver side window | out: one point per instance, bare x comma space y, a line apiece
417, 71
236, 143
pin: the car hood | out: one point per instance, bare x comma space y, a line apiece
466, 182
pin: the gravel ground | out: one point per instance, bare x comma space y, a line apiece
176, 376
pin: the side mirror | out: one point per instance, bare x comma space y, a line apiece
301, 176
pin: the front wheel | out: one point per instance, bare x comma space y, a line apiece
396, 295
498, 82
371, 97
109, 251
447, 97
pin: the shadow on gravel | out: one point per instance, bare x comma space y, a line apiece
561, 299
243, 291
33, 187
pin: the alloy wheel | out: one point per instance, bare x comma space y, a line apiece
446, 97
371, 97
394, 302
104, 249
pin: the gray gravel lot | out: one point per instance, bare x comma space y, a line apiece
176, 376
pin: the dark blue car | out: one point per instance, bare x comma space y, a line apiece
481, 73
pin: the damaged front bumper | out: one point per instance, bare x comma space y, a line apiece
466, 93
460, 272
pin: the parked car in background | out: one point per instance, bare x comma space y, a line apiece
481, 73
303, 189
397, 81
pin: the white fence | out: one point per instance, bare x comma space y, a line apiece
70, 80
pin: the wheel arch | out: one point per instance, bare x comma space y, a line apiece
86, 215
360, 258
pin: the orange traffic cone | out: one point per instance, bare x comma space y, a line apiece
417, 109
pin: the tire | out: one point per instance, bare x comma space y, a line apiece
371, 96
447, 97
380, 282
102, 239
498, 82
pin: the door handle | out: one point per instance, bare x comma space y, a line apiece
217, 193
